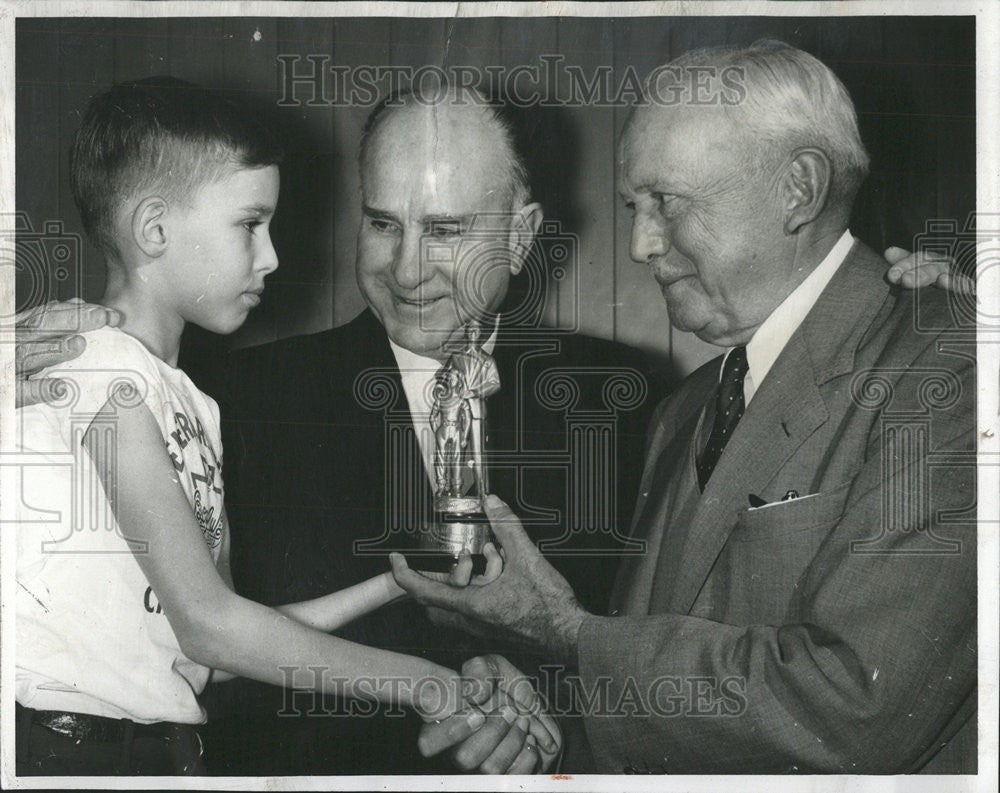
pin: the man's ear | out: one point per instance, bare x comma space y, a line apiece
805, 187
523, 228
148, 232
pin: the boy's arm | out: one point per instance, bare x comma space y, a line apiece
331, 611
214, 626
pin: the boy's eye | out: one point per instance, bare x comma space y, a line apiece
250, 225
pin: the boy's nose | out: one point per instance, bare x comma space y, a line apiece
267, 262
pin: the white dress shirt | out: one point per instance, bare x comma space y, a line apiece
417, 373
773, 334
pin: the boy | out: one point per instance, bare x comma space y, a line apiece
124, 601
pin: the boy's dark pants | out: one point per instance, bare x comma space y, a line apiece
77, 744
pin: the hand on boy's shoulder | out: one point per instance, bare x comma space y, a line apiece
48, 335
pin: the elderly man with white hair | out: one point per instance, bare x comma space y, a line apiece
807, 599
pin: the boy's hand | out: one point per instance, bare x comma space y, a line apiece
461, 576
461, 573
924, 268
48, 335
439, 702
504, 730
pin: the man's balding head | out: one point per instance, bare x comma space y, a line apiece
446, 219
460, 119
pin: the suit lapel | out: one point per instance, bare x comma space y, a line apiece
773, 427
786, 410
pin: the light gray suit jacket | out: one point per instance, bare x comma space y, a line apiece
835, 632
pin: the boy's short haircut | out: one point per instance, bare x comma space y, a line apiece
158, 134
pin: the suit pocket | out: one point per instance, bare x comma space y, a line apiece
768, 552
811, 513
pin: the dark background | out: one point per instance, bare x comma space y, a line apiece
912, 80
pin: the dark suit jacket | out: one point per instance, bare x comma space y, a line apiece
832, 633
311, 427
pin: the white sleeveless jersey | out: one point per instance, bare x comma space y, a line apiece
91, 635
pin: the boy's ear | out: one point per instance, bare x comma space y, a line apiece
523, 228
148, 231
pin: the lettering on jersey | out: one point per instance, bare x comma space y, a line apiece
211, 525
150, 602
204, 483
207, 476
182, 436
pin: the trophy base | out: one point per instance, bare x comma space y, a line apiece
459, 508
444, 540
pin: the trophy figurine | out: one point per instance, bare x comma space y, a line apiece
458, 419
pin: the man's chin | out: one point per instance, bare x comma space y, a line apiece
681, 321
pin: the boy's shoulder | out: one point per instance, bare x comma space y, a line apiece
114, 365
107, 350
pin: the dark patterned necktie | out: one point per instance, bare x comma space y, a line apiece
728, 411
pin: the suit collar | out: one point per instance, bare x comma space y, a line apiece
833, 330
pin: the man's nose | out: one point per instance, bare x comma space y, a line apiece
407, 268
649, 238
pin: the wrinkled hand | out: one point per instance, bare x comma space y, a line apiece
48, 335
505, 729
528, 601
924, 268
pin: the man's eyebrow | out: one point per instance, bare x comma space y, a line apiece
258, 209
381, 214
463, 219
655, 187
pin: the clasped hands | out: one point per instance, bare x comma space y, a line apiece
520, 598
501, 728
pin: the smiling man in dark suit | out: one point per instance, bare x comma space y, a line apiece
807, 602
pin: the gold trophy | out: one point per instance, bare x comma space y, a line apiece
458, 419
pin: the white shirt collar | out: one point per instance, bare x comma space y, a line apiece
773, 334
